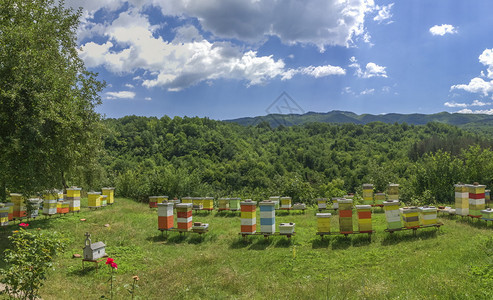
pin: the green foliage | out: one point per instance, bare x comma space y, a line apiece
48, 126
28, 259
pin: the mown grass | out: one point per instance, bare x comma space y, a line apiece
452, 263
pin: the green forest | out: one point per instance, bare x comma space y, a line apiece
178, 157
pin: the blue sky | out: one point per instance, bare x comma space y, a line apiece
226, 59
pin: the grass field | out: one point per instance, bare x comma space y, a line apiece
452, 263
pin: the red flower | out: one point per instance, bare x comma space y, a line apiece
114, 265
110, 261
23, 225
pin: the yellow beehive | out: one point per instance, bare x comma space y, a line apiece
285, 202
476, 199
461, 199
223, 203
186, 200
367, 194
94, 199
428, 215
323, 222
73, 192
364, 218
322, 203
208, 203
4, 215
379, 198
198, 202
393, 191
410, 217
19, 205
110, 193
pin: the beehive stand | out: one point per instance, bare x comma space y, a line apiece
414, 229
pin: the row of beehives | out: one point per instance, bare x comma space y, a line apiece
183, 218
267, 218
51, 203
369, 197
470, 200
232, 204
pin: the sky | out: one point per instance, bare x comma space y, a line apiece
226, 59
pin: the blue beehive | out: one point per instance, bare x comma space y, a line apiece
267, 217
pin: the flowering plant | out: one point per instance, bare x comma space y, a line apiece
24, 225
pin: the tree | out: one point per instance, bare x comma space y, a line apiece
48, 126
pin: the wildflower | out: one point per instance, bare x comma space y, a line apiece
109, 261
114, 265
136, 278
23, 225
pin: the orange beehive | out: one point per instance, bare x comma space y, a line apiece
184, 223
165, 215
248, 216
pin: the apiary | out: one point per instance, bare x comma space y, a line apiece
184, 216
200, 227
208, 203
267, 217
285, 202
487, 214
165, 215
428, 215
476, 199
94, 199
379, 198
345, 215
223, 204
322, 203
110, 193
248, 216
50, 200
19, 205
364, 218
410, 217
286, 228
392, 214
153, 201
368, 194
393, 191
323, 222
461, 199
276, 200
4, 215
234, 204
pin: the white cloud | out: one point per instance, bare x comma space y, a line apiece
476, 85
148, 98
130, 86
371, 70
367, 92
469, 111
120, 95
486, 58
454, 104
480, 103
383, 13
443, 29
317, 72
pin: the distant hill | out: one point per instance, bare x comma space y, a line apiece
467, 121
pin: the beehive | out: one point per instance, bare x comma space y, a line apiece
461, 199
34, 203
299, 206
476, 199
73, 198
223, 204
153, 201
393, 191
335, 203
368, 194
234, 204
248, 216
198, 202
364, 218
267, 217
285, 202
94, 199
59, 206
392, 214
162, 199
186, 200
208, 203
379, 198
50, 200
276, 200
65, 207
487, 197
10, 206
428, 215
104, 200
286, 228
345, 215
4, 215
165, 216
323, 222
184, 216
487, 214
410, 217
19, 205
200, 227
110, 193
322, 203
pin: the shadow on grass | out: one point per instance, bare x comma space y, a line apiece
176, 238
202, 213
282, 213
161, 237
283, 242
197, 239
477, 223
361, 240
240, 243
320, 242
81, 272
341, 242
226, 214
261, 244
408, 236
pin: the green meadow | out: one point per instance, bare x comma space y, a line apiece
453, 262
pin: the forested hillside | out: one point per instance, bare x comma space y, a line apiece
198, 156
